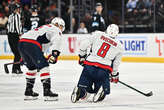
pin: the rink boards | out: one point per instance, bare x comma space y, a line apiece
137, 47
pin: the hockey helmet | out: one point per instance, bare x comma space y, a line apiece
112, 30
13, 7
98, 4
34, 8
59, 21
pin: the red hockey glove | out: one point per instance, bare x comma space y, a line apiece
52, 58
82, 59
115, 77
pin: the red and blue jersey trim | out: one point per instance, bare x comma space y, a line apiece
31, 41
98, 65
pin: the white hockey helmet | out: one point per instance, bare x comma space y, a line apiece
59, 21
112, 30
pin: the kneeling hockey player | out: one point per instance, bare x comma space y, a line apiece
100, 66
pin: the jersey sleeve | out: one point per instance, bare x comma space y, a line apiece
85, 44
56, 41
117, 60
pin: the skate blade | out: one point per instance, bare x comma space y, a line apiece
17, 75
50, 98
97, 96
28, 98
74, 95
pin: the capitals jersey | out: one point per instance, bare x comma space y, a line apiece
48, 36
106, 52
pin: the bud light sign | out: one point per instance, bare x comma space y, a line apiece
134, 45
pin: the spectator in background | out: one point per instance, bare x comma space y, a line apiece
3, 21
45, 13
160, 10
142, 10
49, 12
26, 2
6, 11
26, 10
3, 3
74, 24
53, 11
82, 29
159, 6
87, 21
98, 22
43, 3
25, 15
66, 18
131, 5
148, 3
131, 12
143, 6
4, 8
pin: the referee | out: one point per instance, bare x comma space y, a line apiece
14, 28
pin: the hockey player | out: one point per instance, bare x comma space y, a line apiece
34, 20
100, 66
32, 46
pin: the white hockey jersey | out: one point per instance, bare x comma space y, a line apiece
104, 50
49, 36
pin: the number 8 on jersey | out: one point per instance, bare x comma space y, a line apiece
103, 50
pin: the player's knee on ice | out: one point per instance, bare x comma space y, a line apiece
92, 78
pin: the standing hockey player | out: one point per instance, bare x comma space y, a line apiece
35, 20
100, 66
31, 46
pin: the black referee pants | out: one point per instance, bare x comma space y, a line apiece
13, 40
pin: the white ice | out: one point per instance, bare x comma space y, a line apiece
65, 74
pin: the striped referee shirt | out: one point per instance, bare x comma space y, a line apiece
14, 23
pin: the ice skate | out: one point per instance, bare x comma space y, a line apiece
47, 93
99, 96
75, 95
31, 95
50, 96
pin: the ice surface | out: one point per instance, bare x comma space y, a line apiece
65, 74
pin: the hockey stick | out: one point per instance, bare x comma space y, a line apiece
6, 66
145, 94
19, 62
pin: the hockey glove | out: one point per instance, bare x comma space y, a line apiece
115, 77
52, 58
82, 59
